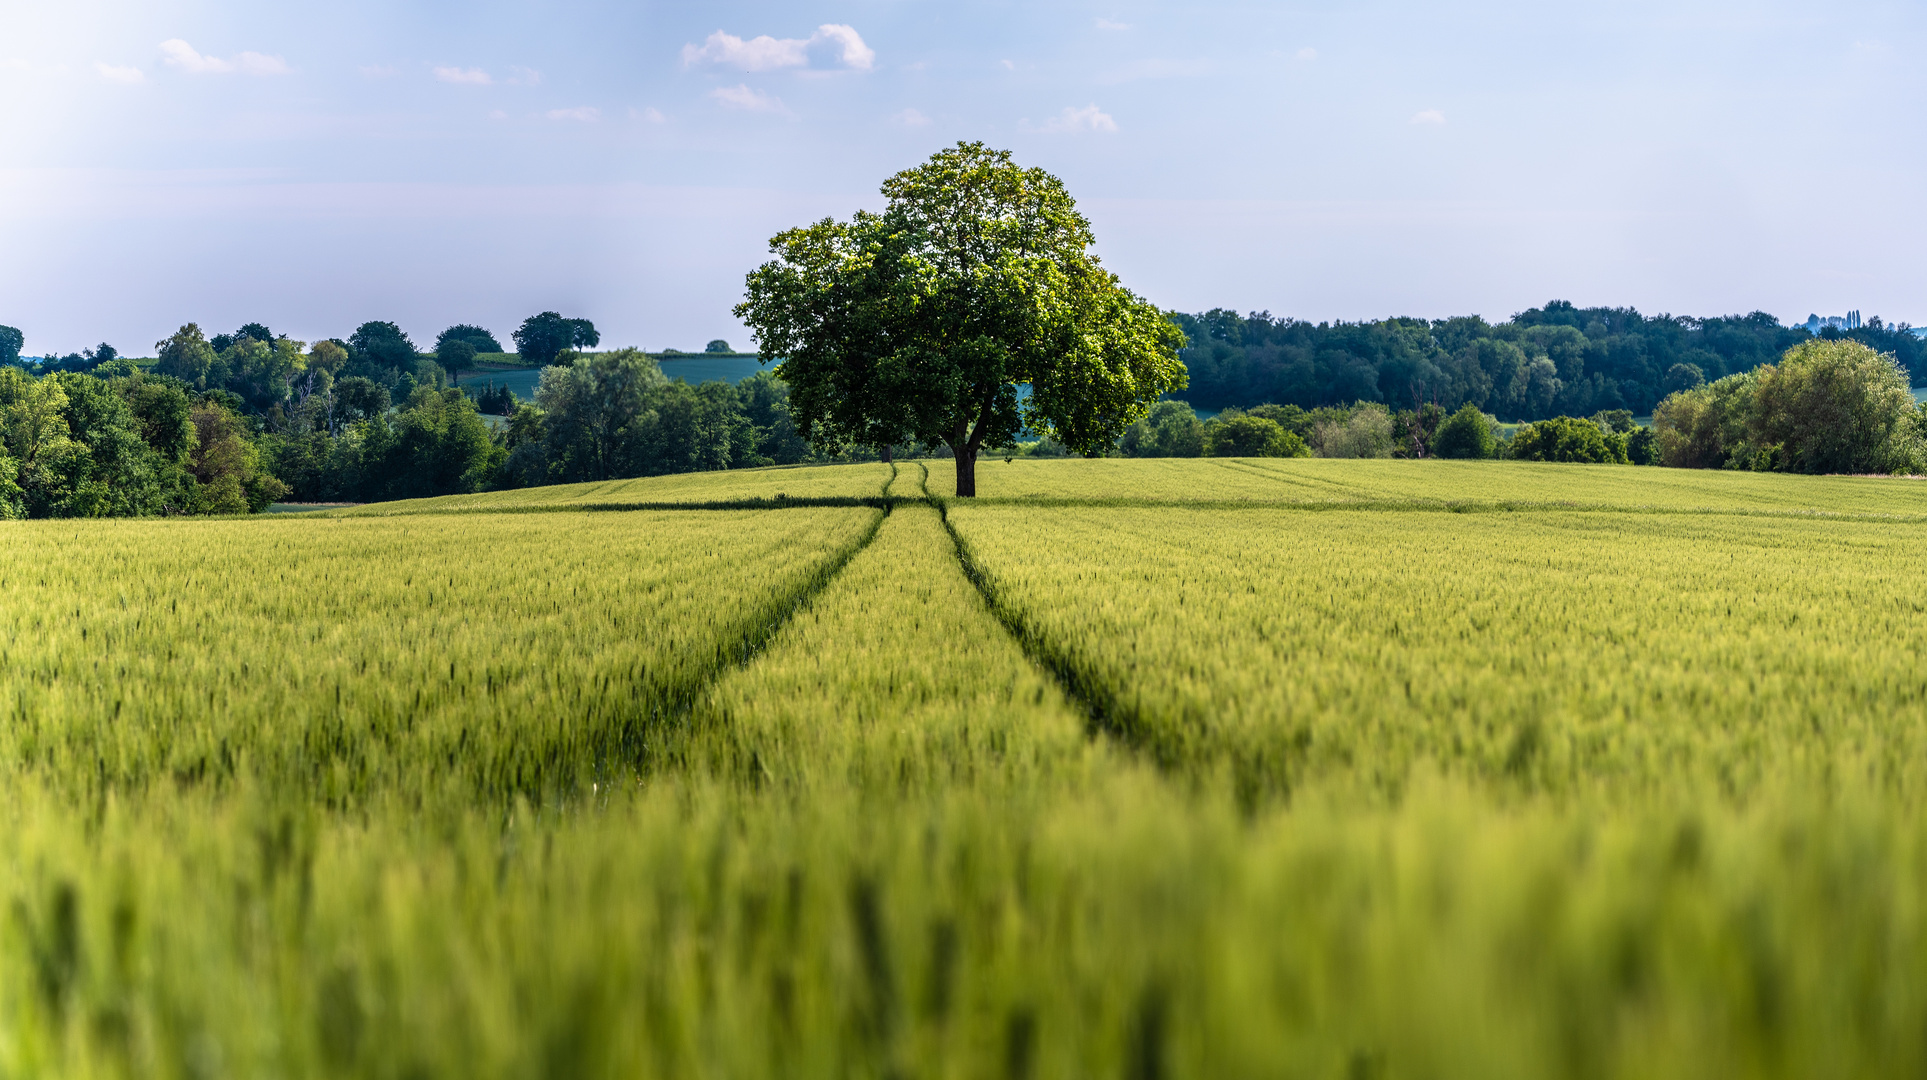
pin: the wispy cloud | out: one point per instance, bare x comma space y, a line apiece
254, 63
119, 74
376, 71
1306, 53
650, 115
463, 76
179, 54
1075, 121
746, 99
1106, 24
1008, 65
584, 114
1428, 116
832, 45
524, 76
497, 114
910, 118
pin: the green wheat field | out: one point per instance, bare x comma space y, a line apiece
1127, 768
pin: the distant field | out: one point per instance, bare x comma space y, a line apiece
506, 369
1128, 768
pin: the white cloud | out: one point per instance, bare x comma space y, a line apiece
524, 76
1307, 53
1008, 66
831, 45
650, 115
463, 76
119, 74
910, 118
582, 113
742, 97
1106, 24
376, 71
254, 63
497, 114
1428, 116
178, 53
1088, 118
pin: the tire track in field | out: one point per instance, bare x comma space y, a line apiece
661, 736
1104, 710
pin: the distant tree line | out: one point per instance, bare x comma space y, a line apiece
1827, 405
119, 442
233, 422
1559, 360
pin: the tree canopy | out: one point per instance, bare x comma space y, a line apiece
479, 337
541, 338
921, 322
382, 344
1830, 405
1543, 362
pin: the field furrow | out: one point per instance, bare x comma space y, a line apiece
344, 657
1624, 655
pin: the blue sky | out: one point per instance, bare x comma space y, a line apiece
315, 166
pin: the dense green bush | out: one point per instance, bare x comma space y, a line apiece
1568, 438
78, 445
1831, 406
1465, 434
1170, 429
1251, 436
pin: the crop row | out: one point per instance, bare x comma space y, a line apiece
1586, 655
338, 658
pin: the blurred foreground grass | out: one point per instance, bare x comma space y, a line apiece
1205, 793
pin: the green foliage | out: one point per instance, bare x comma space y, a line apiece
132, 445
1828, 406
456, 356
477, 337
11, 342
1642, 448
1169, 429
1467, 433
597, 411
436, 443
918, 324
382, 345
543, 337
1566, 438
1251, 436
1365, 430
614, 415
718, 346
1559, 359
1836, 406
186, 356
13, 498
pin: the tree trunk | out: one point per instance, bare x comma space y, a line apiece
884, 452
966, 470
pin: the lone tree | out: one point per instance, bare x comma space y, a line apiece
922, 322
543, 337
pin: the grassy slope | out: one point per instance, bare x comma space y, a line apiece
1365, 792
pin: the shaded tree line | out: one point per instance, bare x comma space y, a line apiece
1544, 362
119, 442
